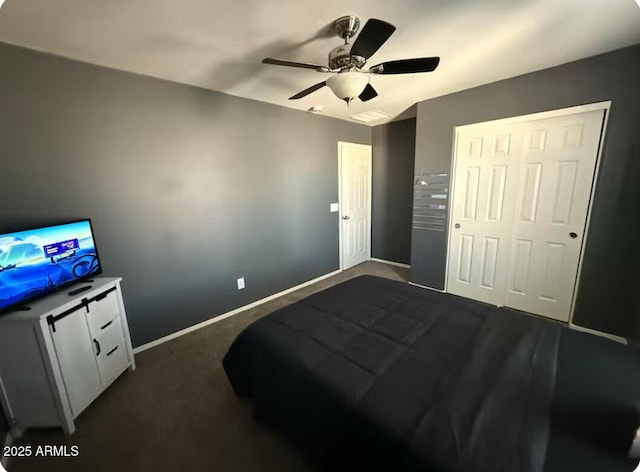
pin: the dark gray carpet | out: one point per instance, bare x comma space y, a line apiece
177, 410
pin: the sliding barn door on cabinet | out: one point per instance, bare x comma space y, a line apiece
76, 357
558, 168
485, 190
521, 194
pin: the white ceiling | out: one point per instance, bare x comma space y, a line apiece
218, 44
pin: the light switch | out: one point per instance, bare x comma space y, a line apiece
334, 208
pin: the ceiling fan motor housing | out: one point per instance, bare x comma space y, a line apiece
341, 58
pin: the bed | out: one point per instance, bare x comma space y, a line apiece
381, 375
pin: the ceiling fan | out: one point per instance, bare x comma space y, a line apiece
347, 61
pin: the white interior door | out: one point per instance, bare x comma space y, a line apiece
355, 203
484, 193
558, 168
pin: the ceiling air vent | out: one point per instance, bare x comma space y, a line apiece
369, 116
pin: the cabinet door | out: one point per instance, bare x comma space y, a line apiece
112, 359
76, 357
100, 312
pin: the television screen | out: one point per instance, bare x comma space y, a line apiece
36, 262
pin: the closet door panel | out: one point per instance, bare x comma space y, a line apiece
558, 167
483, 206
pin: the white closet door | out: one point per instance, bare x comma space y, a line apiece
556, 176
484, 196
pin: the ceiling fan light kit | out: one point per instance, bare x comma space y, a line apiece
348, 85
346, 61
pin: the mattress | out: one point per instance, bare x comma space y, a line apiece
377, 374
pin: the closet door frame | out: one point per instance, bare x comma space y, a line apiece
606, 105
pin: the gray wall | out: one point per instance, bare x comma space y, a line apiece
188, 189
392, 190
607, 298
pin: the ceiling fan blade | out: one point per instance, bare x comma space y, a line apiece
368, 93
301, 65
407, 66
374, 34
307, 91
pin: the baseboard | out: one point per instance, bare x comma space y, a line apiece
384, 261
428, 288
215, 319
612, 337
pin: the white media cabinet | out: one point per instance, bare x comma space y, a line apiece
61, 354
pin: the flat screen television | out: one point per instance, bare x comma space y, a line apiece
40, 261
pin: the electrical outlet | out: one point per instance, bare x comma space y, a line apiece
240, 283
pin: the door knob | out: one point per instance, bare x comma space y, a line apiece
573, 235
345, 217
457, 226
